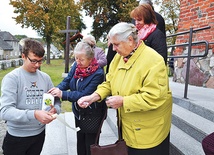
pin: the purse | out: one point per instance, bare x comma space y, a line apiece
118, 148
208, 144
90, 120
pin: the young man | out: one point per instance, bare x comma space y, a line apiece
21, 103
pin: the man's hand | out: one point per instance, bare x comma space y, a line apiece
43, 116
53, 110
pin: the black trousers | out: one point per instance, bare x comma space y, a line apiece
161, 149
84, 140
23, 145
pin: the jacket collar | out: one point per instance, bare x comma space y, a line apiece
132, 59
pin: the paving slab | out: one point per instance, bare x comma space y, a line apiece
61, 140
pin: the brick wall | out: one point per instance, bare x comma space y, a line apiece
196, 14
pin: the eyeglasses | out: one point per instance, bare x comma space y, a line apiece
36, 61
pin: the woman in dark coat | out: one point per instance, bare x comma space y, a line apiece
83, 79
148, 32
110, 55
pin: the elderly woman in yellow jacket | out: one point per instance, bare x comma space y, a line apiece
138, 84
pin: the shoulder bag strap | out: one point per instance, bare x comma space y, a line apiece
101, 124
119, 126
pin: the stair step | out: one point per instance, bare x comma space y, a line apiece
106, 136
204, 109
191, 123
71, 134
185, 143
112, 120
55, 140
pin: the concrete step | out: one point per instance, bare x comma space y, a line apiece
106, 136
70, 134
112, 120
55, 140
199, 99
183, 144
180, 142
191, 123
201, 108
61, 140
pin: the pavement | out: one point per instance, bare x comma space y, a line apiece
55, 143
64, 139
61, 140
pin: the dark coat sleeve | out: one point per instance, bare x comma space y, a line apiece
110, 55
157, 41
85, 86
161, 23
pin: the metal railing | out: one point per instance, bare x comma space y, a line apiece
189, 56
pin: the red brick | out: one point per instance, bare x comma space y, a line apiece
189, 18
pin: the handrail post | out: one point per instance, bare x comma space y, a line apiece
189, 56
188, 63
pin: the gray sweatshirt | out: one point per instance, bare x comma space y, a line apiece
21, 95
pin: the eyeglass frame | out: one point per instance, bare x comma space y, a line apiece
35, 61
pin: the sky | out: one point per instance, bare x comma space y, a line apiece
8, 24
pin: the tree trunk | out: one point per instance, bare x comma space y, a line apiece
48, 41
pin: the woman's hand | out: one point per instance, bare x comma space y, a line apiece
56, 92
114, 101
86, 101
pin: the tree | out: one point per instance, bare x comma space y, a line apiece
107, 13
170, 10
47, 17
20, 37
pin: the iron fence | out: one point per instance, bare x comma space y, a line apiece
189, 56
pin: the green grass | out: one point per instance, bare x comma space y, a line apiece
4, 72
54, 70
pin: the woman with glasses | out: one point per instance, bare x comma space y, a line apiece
140, 91
83, 79
21, 103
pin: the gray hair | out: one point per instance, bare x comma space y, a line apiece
83, 47
89, 39
122, 31
146, 1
